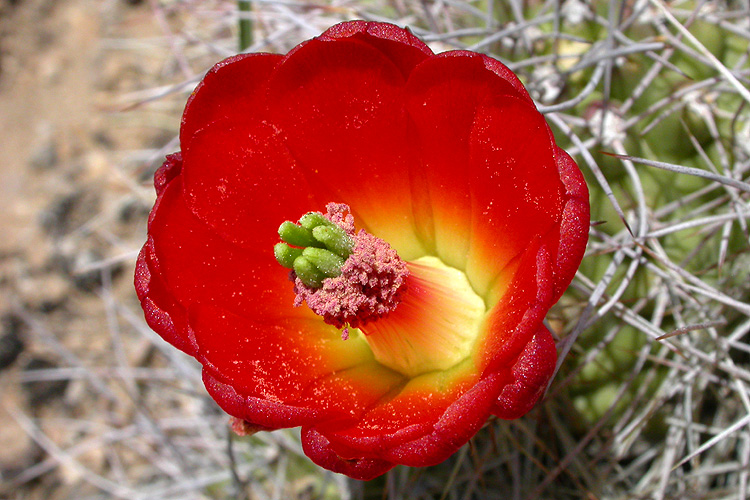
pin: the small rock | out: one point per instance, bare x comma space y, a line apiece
11, 343
103, 138
133, 210
44, 156
87, 276
17, 450
44, 153
40, 392
45, 292
69, 212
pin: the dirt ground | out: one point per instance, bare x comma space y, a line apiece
71, 212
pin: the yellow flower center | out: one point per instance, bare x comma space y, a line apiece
435, 325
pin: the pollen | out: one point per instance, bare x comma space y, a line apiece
370, 286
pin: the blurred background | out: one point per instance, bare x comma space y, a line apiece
651, 400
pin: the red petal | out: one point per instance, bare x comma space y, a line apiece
443, 96
513, 322
243, 182
258, 411
573, 231
424, 424
516, 189
460, 421
171, 167
287, 362
163, 314
339, 105
409, 416
352, 391
506, 74
531, 373
316, 446
400, 46
198, 266
233, 88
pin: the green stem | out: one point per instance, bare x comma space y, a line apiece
246, 26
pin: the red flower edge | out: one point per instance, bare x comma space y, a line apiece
364, 114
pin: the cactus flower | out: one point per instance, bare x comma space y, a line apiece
362, 238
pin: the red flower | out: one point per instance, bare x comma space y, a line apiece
444, 158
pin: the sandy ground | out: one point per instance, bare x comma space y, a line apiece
64, 202
46, 101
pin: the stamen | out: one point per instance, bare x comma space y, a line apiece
317, 247
349, 279
307, 273
326, 261
297, 235
314, 219
370, 285
335, 239
285, 255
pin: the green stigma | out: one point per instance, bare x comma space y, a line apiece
315, 248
